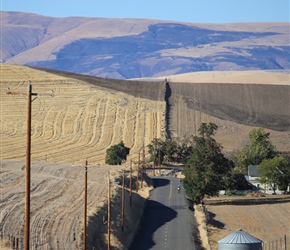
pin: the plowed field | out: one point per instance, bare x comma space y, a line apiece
80, 121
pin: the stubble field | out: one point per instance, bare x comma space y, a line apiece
78, 123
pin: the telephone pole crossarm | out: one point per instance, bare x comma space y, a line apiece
28, 162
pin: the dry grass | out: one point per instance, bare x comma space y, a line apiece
4, 245
57, 198
265, 218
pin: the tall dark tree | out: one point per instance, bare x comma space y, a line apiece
208, 169
116, 154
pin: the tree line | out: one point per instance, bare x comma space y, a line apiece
207, 170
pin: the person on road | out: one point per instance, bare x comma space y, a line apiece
178, 188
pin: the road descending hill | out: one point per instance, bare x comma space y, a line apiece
87, 115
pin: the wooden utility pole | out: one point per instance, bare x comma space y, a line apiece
123, 202
159, 162
131, 183
141, 170
28, 157
137, 179
144, 165
28, 171
109, 211
28, 162
85, 206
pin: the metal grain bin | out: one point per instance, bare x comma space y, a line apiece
239, 240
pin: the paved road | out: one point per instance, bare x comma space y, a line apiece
167, 222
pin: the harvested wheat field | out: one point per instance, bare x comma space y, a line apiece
80, 121
266, 218
57, 205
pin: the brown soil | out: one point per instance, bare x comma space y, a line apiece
266, 218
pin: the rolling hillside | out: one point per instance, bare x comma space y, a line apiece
134, 48
181, 74
80, 122
86, 115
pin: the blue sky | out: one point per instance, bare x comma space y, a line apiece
203, 11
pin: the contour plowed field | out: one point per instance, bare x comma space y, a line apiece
57, 198
79, 122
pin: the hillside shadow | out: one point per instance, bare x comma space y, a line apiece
154, 217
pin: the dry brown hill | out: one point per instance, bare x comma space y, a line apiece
131, 48
87, 115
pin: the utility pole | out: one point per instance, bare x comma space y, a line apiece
141, 170
131, 183
85, 206
159, 162
137, 178
28, 162
123, 202
109, 211
144, 165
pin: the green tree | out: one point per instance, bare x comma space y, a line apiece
207, 170
258, 149
238, 182
116, 154
275, 172
170, 150
156, 151
184, 150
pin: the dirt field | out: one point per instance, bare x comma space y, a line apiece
266, 218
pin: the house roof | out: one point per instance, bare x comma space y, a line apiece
239, 237
253, 171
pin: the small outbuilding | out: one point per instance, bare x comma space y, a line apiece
240, 240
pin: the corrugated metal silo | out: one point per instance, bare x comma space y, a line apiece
239, 240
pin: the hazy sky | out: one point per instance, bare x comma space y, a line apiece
203, 11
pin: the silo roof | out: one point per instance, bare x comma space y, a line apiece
239, 237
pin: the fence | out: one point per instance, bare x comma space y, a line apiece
17, 242
11, 241
282, 243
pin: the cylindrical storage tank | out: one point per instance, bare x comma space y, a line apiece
239, 240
